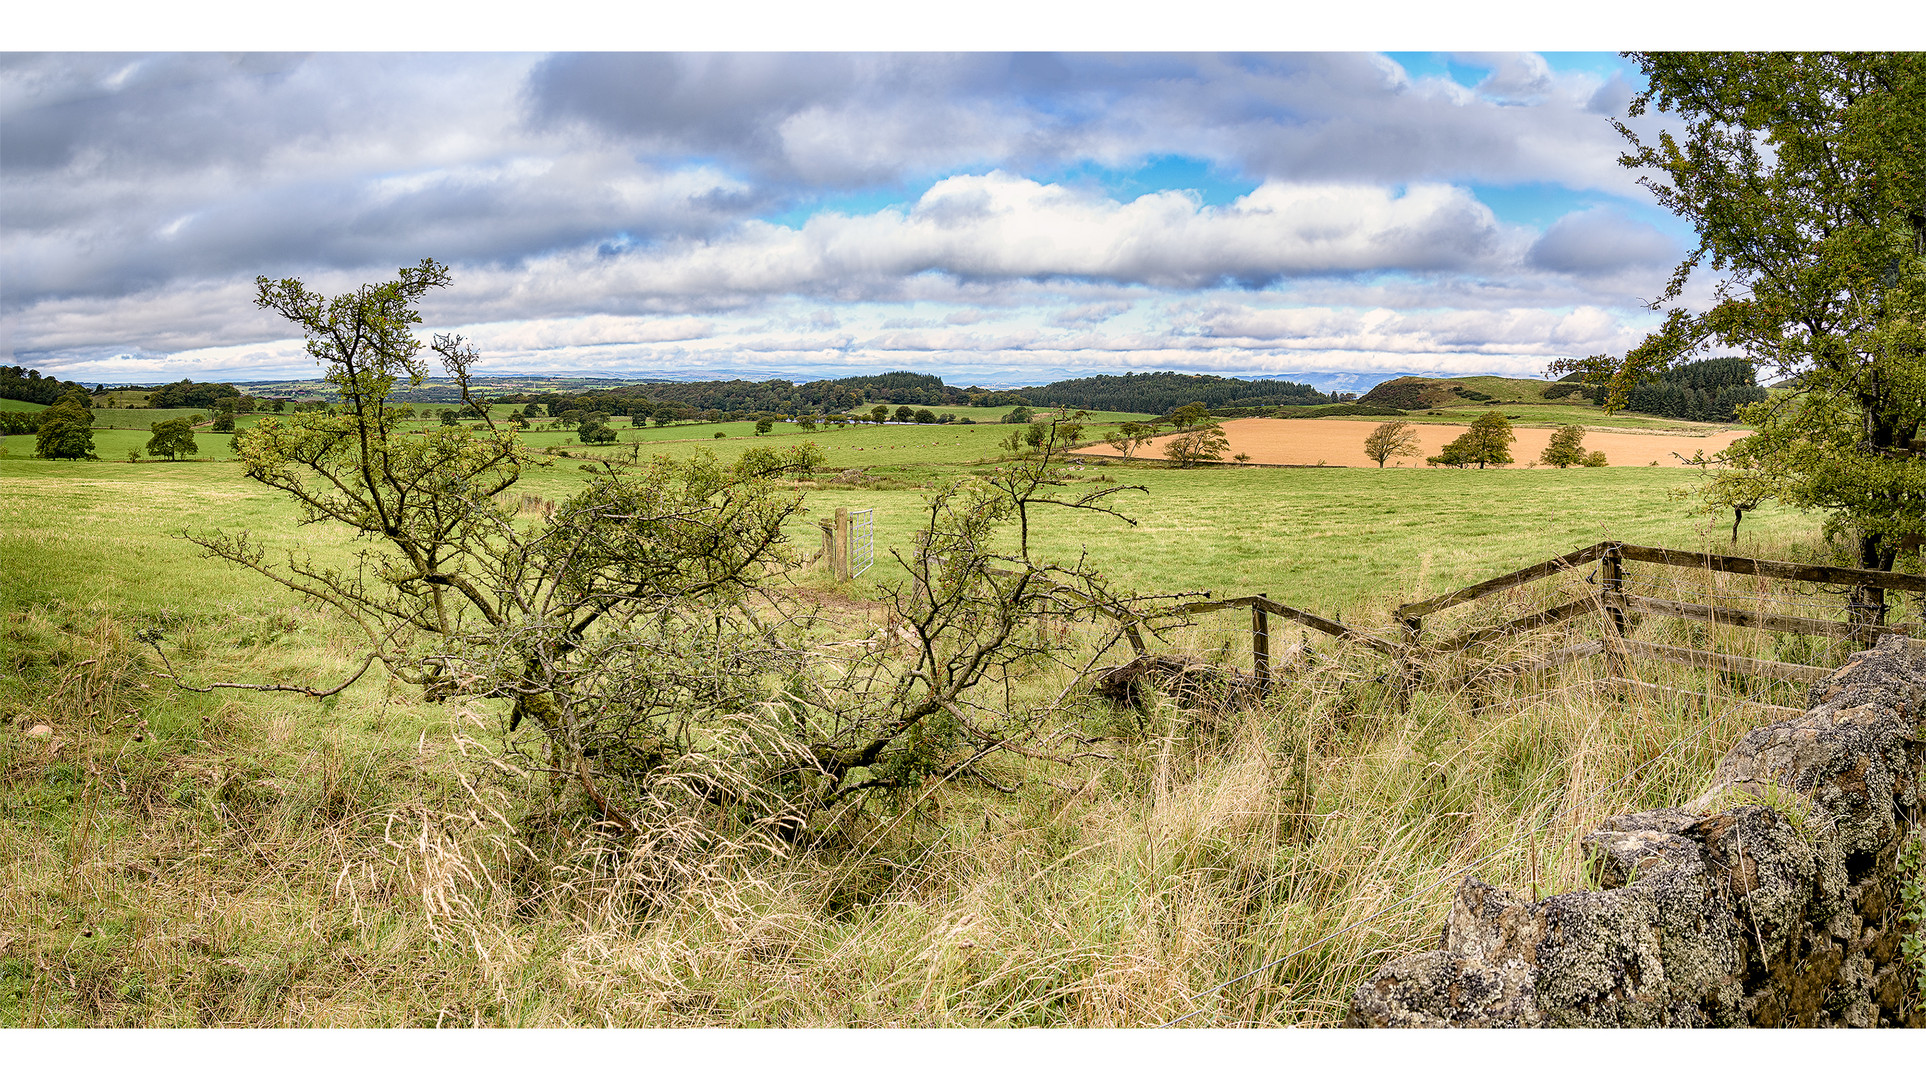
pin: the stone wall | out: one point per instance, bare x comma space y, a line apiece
1779, 910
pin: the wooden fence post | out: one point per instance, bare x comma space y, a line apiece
1868, 607
1612, 591
839, 559
1407, 669
1261, 646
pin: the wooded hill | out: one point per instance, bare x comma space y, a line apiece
23, 384
1414, 392
1162, 391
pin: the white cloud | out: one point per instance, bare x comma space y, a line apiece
611, 210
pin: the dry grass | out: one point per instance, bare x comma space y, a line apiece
167, 859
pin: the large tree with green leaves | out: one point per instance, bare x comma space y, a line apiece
66, 429
1804, 176
1486, 442
172, 438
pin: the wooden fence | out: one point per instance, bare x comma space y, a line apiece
1865, 617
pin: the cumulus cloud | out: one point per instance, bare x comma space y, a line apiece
1507, 332
640, 209
997, 226
823, 118
1602, 241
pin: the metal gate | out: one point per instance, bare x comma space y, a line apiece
862, 541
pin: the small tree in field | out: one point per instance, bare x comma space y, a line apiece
764, 425
1487, 442
172, 439
1198, 444
1130, 437
1567, 447
1394, 439
1192, 415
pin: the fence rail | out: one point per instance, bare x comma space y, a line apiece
1865, 617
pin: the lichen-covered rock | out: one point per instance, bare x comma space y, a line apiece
1751, 915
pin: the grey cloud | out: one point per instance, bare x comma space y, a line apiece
1088, 314
1514, 79
1602, 241
148, 112
1611, 97
1311, 116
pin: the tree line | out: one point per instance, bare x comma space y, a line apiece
1710, 390
1157, 392
24, 384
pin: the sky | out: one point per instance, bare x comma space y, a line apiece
998, 218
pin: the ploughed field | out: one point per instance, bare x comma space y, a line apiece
1341, 442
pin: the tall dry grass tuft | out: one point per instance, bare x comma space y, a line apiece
167, 859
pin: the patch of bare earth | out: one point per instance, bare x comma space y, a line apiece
1341, 442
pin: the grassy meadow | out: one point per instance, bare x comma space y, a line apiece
170, 858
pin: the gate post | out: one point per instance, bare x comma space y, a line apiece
1261, 646
839, 558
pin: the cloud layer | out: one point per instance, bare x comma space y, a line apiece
965, 214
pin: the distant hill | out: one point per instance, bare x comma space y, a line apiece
1414, 392
1159, 392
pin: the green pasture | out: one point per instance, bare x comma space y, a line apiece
1355, 541
1505, 390
145, 419
858, 446
10, 405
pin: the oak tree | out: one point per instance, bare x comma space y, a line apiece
172, 439
1804, 177
1187, 448
66, 429
1487, 442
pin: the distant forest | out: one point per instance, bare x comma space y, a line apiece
1156, 393
1152, 392
1159, 392
21, 384
1704, 390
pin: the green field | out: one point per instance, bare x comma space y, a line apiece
1352, 540
10, 405
353, 847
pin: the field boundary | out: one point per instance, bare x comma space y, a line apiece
1864, 622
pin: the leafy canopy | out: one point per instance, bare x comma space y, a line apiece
1804, 176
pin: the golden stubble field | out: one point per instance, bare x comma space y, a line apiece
1341, 442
